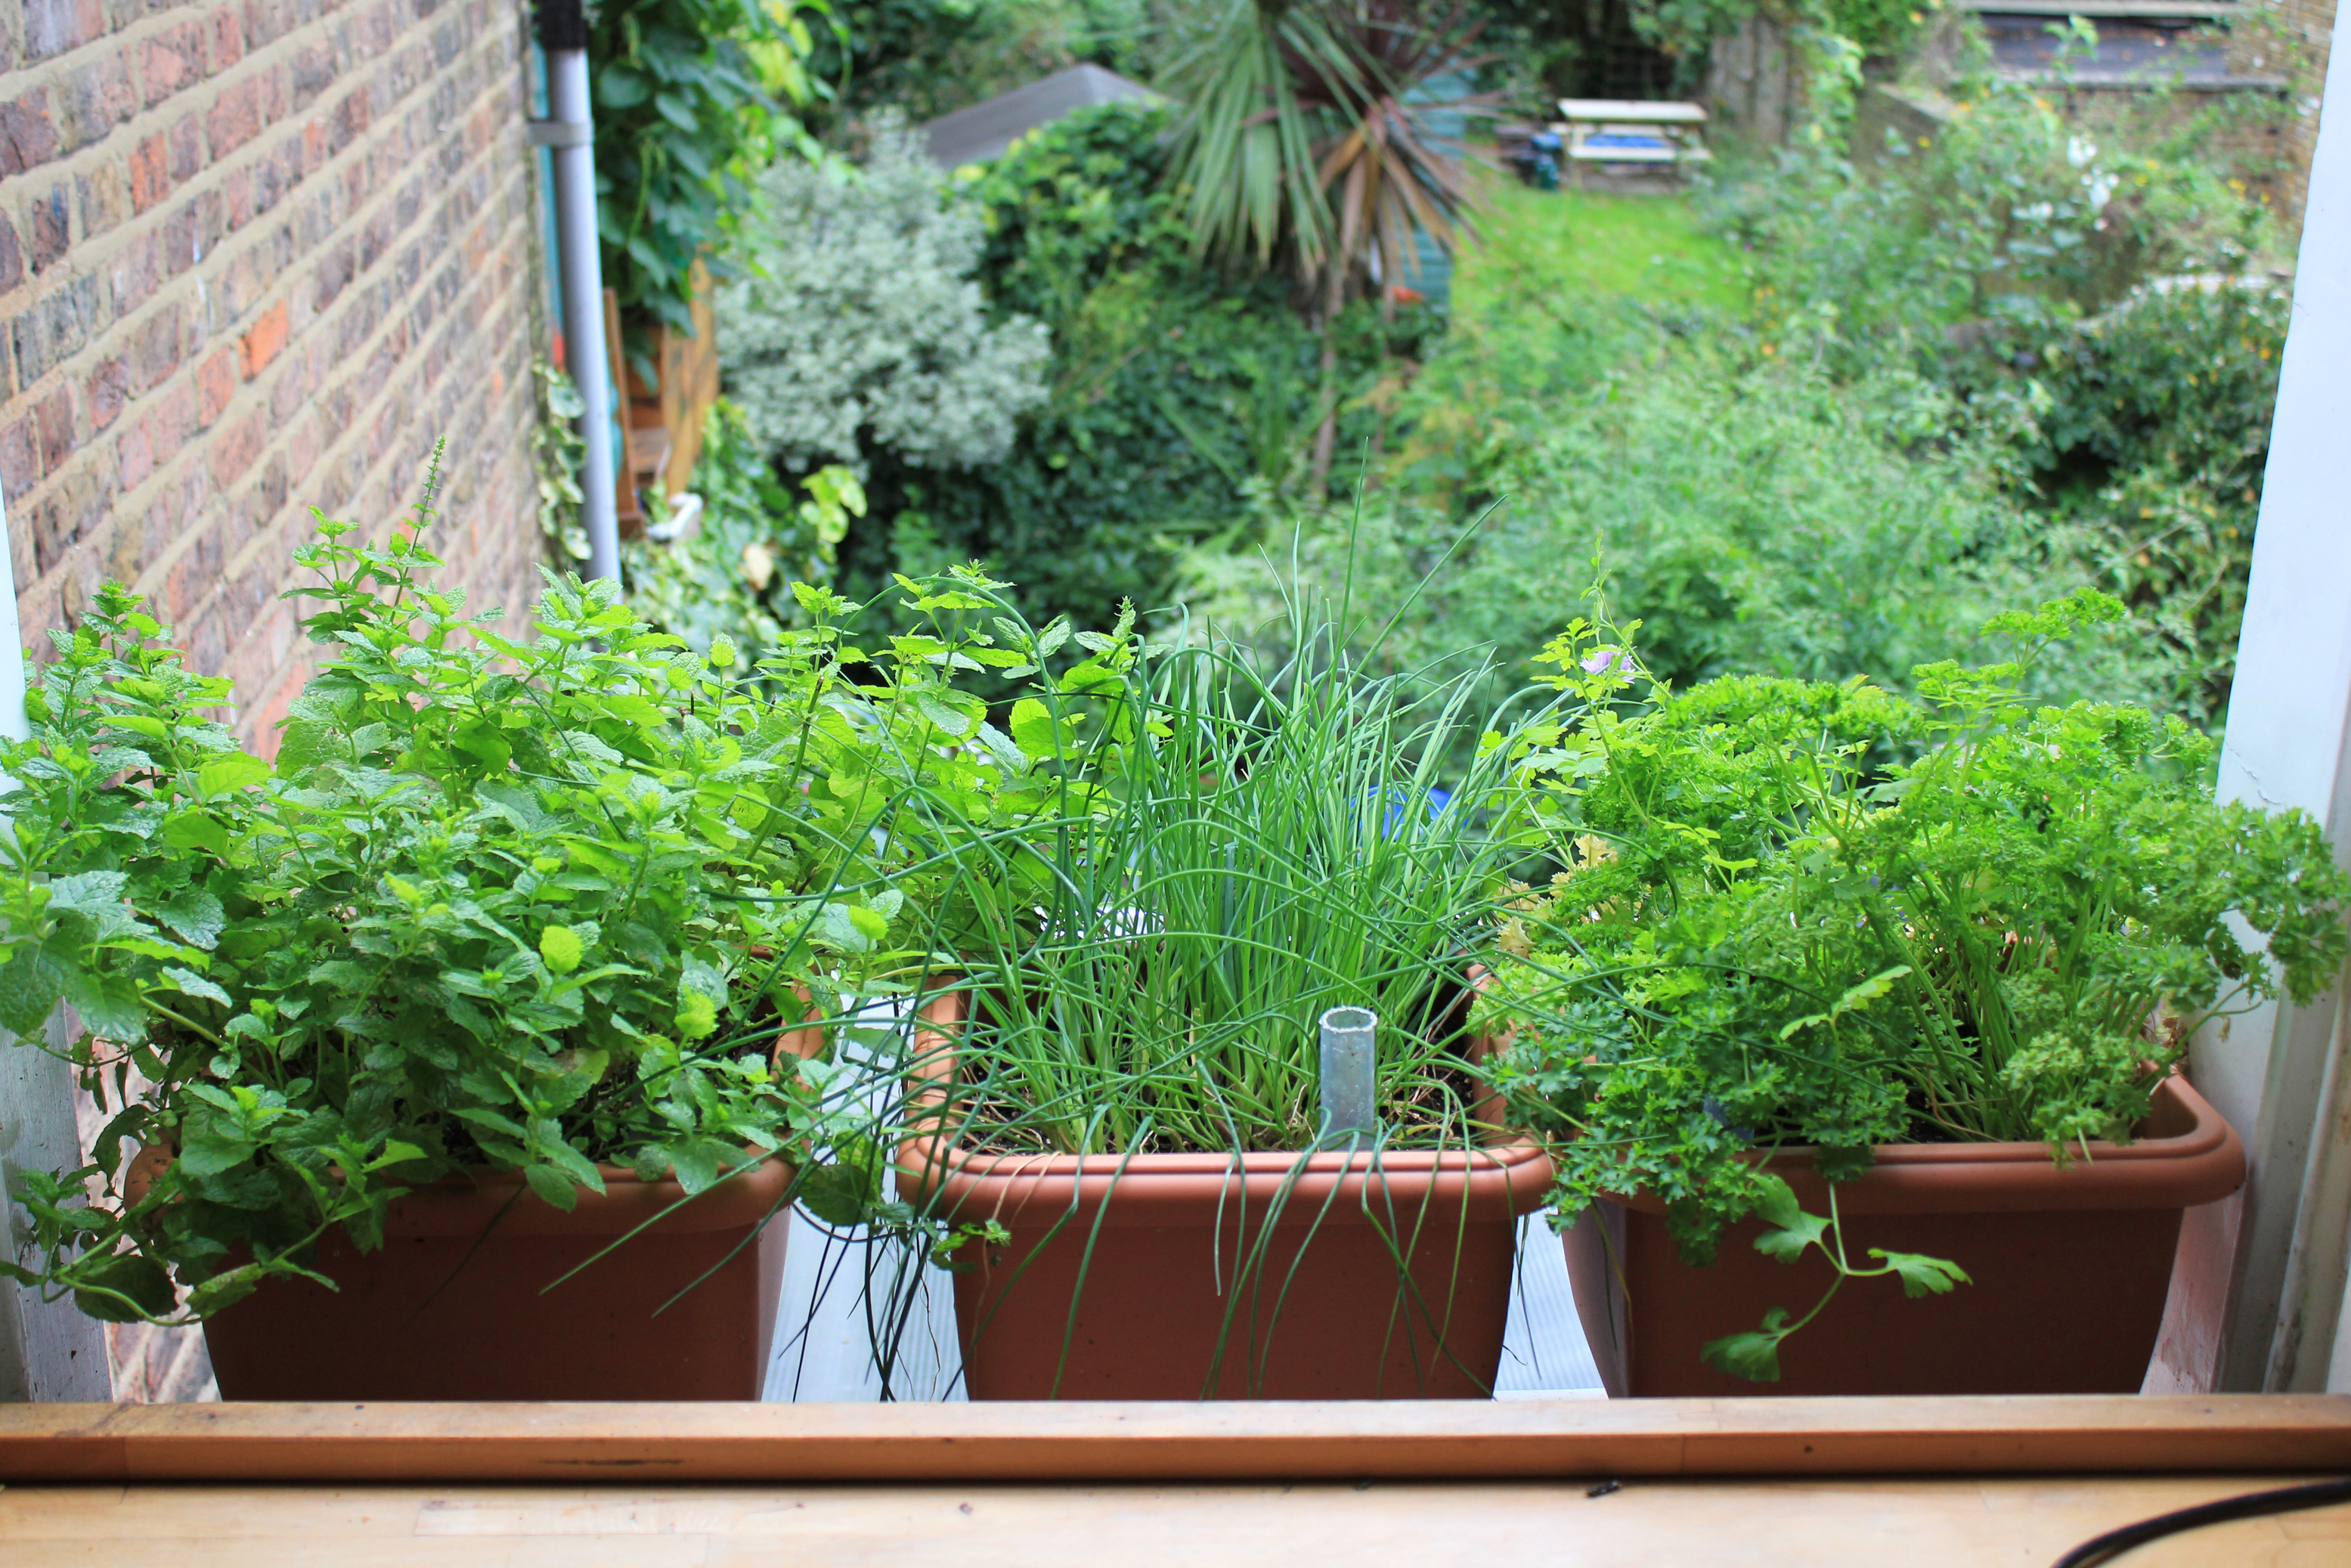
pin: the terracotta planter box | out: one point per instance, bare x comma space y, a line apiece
452, 1306
455, 1304
1188, 1276
2071, 1269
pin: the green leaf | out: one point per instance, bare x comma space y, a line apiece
211, 1152
482, 740
97, 1291
305, 743
109, 1005
190, 983
694, 1162
1034, 729
196, 830
32, 983
1788, 1243
225, 1289
620, 88
195, 916
698, 1016
1923, 1276
1754, 1357
1775, 1202
846, 1192
560, 946
946, 718
553, 1187
232, 771
1794, 1229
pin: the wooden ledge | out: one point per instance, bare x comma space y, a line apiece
1111, 1442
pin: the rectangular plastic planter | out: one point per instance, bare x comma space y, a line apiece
1189, 1276
2071, 1268
455, 1304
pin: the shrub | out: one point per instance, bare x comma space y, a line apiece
2013, 220
1765, 522
2155, 432
693, 99
730, 578
1768, 936
863, 333
1175, 390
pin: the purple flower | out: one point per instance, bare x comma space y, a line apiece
1598, 663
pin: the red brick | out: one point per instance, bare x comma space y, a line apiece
108, 391
235, 119
135, 455
171, 60
215, 384
263, 341
54, 27
151, 174
172, 421
227, 38
20, 456
27, 139
370, 231
51, 221
94, 99
55, 420
236, 446
105, 199
187, 149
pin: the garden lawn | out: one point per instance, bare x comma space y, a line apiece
1569, 248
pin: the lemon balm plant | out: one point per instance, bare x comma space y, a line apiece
473, 916
550, 916
1814, 934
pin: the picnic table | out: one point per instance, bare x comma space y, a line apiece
1620, 132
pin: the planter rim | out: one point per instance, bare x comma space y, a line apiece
2200, 1165
1480, 1180
1167, 1189
465, 1204
472, 1203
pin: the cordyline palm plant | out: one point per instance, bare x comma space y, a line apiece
1302, 143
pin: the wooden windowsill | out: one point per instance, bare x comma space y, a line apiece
1187, 1443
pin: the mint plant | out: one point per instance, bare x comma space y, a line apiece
1809, 915
536, 906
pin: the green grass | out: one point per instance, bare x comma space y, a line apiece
1565, 288
1569, 247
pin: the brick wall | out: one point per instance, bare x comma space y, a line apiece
255, 257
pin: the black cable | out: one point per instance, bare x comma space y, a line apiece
2252, 1505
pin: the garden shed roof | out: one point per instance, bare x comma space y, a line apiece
984, 131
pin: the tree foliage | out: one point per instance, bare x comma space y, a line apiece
694, 99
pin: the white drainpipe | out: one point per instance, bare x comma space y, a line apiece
569, 136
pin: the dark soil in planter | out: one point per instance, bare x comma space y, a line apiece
2071, 1269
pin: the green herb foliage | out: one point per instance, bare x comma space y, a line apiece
1149, 977
536, 905
1775, 931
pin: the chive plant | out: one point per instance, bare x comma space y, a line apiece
1262, 845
